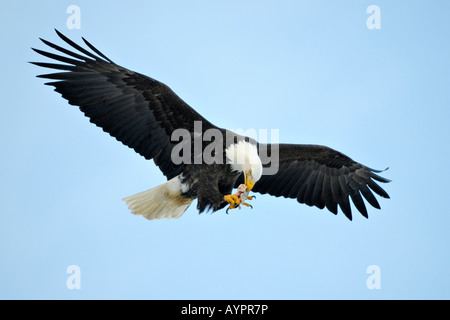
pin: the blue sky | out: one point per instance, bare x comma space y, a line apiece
309, 68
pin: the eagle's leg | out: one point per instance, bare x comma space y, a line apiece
247, 205
251, 197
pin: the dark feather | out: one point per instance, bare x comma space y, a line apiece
56, 57
368, 195
63, 50
54, 66
96, 50
76, 46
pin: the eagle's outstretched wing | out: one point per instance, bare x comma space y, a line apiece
137, 110
322, 177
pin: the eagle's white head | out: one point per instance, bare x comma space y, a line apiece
243, 157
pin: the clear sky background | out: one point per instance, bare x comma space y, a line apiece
311, 69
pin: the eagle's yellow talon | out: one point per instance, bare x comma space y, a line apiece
232, 200
238, 199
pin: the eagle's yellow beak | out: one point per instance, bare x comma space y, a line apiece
249, 182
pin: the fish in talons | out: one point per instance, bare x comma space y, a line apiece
239, 198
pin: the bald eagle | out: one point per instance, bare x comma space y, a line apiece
144, 114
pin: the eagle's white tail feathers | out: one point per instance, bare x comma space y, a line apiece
163, 201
